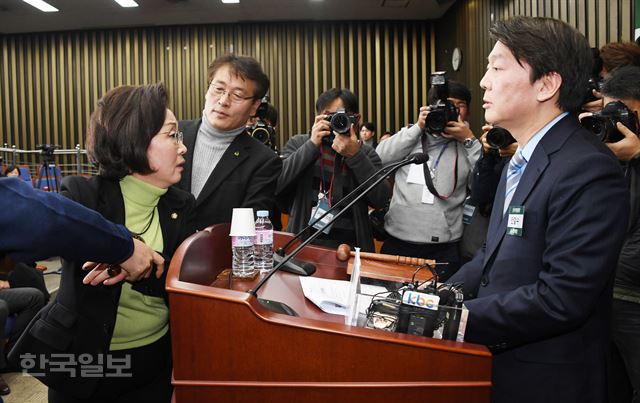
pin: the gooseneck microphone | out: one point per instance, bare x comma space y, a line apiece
417, 158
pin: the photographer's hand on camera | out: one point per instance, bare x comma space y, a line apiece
422, 117
486, 148
627, 148
596, 105
321, 128
347, 146
457, 131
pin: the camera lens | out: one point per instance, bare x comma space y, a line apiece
595, 125
436, 121
340, 123
499, 137
261, 134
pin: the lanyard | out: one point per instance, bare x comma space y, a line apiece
329, 192
427, 174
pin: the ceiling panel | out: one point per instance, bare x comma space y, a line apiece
19, 17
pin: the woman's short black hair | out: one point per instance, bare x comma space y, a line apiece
122, 126
549, 45
11, 168
370, 126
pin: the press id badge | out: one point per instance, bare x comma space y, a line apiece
467, 212
515, 220
317, 212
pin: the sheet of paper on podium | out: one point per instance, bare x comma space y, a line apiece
332, 296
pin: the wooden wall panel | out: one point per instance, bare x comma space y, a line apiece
50, 82
466, 25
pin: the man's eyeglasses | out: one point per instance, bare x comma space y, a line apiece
177, 136
236, 98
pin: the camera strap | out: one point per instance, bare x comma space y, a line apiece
427, 175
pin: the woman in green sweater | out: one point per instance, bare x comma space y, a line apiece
114, 334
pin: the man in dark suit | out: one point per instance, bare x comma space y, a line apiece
539, 291
225, 167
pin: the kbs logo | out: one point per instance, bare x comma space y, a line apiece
421, 300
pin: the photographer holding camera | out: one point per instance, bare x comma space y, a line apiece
453, 150
621, 97
321, 167
498, 145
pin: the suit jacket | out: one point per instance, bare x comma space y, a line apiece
82, 317
36, 225
245, 176
541, 301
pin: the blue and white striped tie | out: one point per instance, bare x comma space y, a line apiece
516, 167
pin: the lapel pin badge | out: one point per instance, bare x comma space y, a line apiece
236, 153
174, 216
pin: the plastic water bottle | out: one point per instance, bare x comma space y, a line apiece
242, 262
263, 243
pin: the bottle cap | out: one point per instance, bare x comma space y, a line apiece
262, 213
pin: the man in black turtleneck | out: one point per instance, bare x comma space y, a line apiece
225, 167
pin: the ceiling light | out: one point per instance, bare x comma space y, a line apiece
127, 3
42, 6
231, 1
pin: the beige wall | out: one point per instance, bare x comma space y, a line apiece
49, 83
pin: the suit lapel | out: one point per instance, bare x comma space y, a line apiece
190, 131
237, 152
550, 143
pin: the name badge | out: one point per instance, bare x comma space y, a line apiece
317, 212
515, 220
467, 212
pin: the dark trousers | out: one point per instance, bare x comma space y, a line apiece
441, 252
25, 302
150, 380
624, 366
24, 275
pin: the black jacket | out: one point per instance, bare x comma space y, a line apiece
245, 176
82, 317
627, 280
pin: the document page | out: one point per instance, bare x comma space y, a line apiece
332, 296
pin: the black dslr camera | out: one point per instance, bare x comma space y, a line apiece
443, 110
46, 151
499, 137
340, 122
603, 123
264, 133
595, 81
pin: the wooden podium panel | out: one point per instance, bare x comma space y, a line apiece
228, 348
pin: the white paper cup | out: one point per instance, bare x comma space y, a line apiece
242, 222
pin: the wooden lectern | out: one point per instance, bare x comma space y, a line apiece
228, 348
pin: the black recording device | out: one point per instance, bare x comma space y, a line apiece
264, 133
47, 150
340, 122
499, 137
603, 123
421, 313
443, 110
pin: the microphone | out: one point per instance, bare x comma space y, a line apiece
415, 158
359, 195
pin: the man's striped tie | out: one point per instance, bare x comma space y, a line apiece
516, 167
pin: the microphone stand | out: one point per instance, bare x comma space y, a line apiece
384, 170
307, 241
